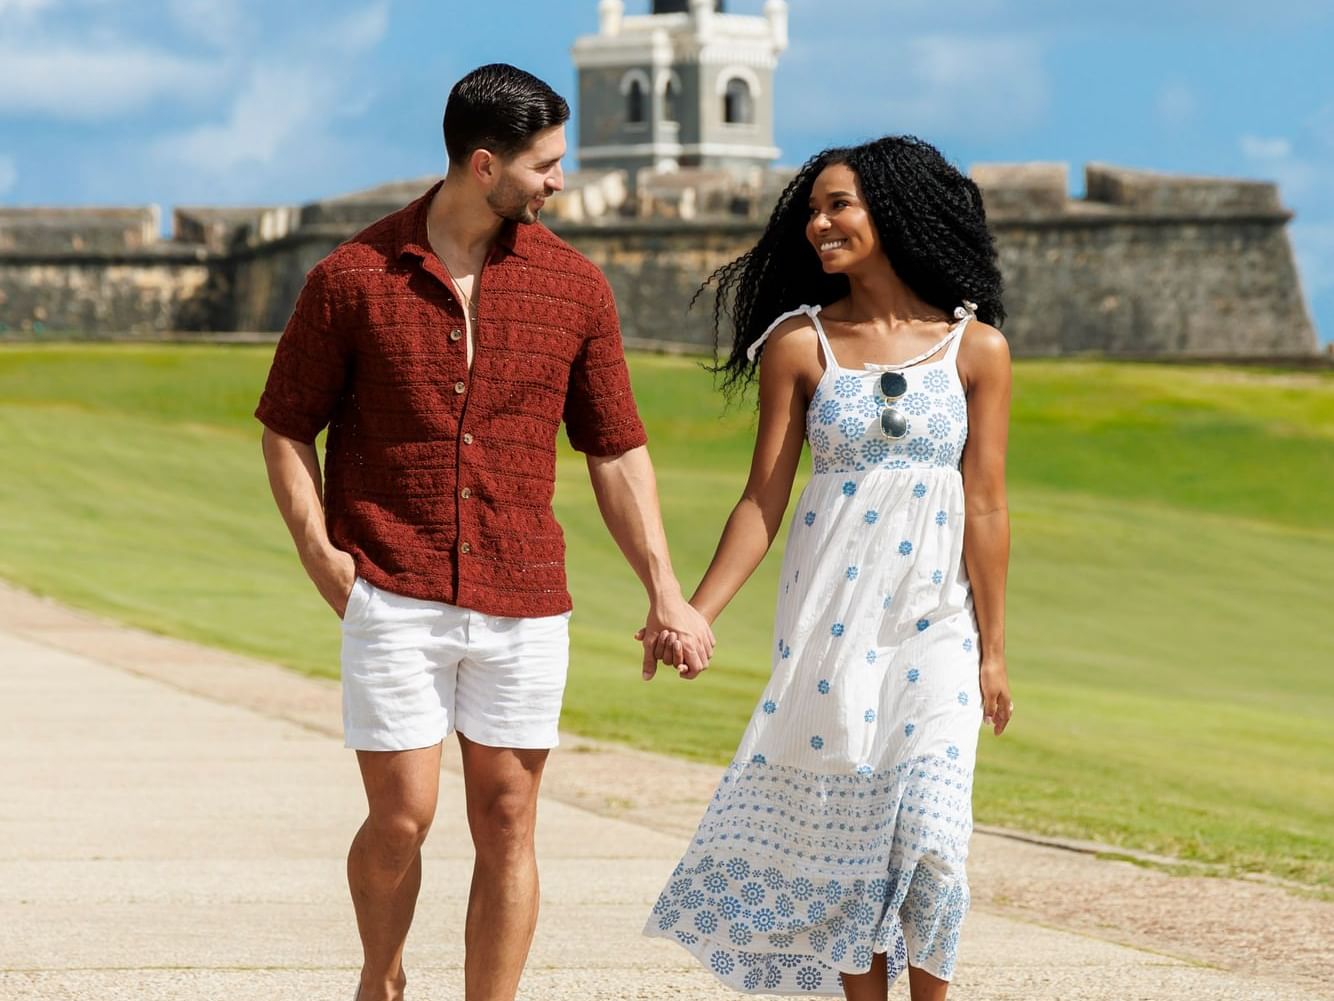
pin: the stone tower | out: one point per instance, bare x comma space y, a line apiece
687, 85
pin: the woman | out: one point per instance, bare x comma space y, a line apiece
832, 855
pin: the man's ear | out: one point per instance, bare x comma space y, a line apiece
484, 165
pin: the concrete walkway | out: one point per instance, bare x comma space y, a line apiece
158, 843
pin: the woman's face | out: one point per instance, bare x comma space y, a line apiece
840, 227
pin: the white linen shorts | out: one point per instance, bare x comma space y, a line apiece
414, 671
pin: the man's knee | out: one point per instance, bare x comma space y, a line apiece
503, 825
397, 836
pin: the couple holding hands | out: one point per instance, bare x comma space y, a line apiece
444, 346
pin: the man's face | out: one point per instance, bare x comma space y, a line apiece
529, 178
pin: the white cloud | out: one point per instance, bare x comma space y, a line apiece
1175, 105
9, 174
219, 25
84, 83
23, 8
1260, 148
357, 30
277, 106
938, 85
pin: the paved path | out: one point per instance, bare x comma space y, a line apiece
173, 824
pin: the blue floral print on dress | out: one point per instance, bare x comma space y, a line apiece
915, 404
920, 449
852, 427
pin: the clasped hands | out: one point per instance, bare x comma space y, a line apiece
676, 634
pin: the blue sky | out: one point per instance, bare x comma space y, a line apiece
257, 102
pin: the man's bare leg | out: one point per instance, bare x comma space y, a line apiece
384, 865
501, 786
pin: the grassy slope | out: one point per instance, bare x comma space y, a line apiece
1168, 624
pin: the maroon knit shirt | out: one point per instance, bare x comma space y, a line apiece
439, 480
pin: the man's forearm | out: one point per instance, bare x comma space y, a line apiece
294, 478
627, 495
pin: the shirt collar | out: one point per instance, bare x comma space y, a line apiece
513, 238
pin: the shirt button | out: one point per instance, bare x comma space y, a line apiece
465, 548
455, 334
467, 439
465, 493
460, 388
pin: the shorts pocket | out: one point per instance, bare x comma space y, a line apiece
357, 600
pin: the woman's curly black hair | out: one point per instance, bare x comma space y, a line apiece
932, 228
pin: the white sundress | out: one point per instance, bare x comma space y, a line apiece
841, 827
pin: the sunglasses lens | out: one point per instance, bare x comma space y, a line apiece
893, 423
893, 385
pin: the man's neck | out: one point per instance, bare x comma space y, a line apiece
459, 223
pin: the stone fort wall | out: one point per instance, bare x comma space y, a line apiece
1145, 264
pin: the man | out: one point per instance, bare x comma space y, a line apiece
442, 347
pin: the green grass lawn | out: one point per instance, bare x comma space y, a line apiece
1170, 640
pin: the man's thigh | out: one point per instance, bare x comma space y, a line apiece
501, 785
510, 685
402, 786
400, 660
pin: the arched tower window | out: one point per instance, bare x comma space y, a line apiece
738, 103
637, 91
634, 102
671, 99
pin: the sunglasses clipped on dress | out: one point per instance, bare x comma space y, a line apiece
893, 422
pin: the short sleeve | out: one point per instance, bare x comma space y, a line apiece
310, 366
601, 417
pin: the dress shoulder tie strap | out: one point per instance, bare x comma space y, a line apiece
951, 340
753, 351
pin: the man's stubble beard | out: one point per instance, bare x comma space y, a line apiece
508, 202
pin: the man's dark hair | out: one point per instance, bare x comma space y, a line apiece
500, 108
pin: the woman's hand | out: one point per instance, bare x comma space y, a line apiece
997, 705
